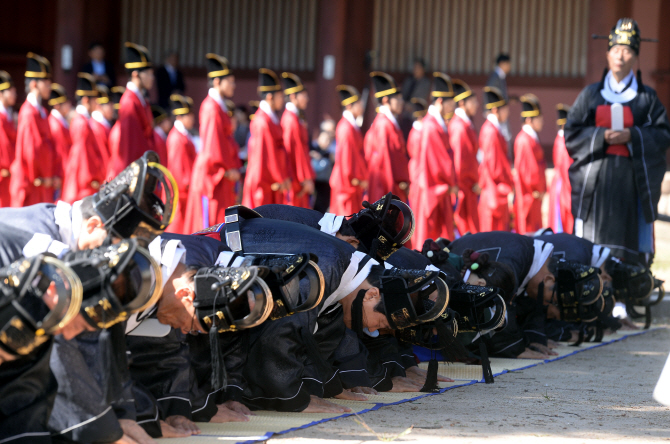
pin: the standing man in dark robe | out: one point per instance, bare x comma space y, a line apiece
463, 140
7, 134
296, 141
436, 175
32, 172
560, 199
385, 149
349, 178
617, 134
132, 133
268, 176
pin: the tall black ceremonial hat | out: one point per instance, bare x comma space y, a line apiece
384, 84
442, 86
292, 83
625, 32
37, 67
181, 104
6, 81
420, 107
103, 94
115, 95
217, 66
530, 106
158, 114
562, 110
117, 280
137, 57
140, 201
348, 94
493, 98
26, 322
86, 85
58, 95
268, 81
461, 90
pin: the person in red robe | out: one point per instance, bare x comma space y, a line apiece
181, 156
384, 143
268, 175
7, 134
495, 172
162, 124
35, 171
348, 180
85, 168
216, 170
132, 134
530, 183
101, 120
420, 108
296, 142
436, 179
561, 219
463, 141
59, 124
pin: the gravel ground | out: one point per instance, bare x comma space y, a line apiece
600, 395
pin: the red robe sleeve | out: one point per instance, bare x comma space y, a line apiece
7, 153
529, 177
180, 162
465, 152
101, 134
63, 143
85, 169
219, 154
297, 149
350, 167
388, 164
160, 147
495, 174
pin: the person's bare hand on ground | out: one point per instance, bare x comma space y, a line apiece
170, 432
542, 349
182, 423
402, 384
238, 407
532, 354
418, 375
627, 324
552, 344
319, 405
225, 414
351, 396
133, 433
364, 390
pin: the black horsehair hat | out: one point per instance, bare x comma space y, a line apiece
115, 95
384, 84
562, 110
86, 86
292, 83
625, 32
420, 107
461, 90
217, 66
530, 106
442, 86
58, 95
493, 98
348, 94
137, 57
6, 81
37, 67
181, 104
268, 82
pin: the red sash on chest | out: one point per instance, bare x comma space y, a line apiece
604, 120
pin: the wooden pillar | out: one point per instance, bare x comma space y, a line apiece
69, 19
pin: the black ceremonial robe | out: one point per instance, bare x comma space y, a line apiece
615, 198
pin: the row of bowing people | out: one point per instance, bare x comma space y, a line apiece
115, 331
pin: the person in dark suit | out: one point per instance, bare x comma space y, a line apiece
169, 79
101, 69
497, 77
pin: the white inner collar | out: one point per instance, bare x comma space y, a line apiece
530, 131
613, 91
389, 115
214, 94
350, 118
81, 109
32, 99
500, 72
290, 106
131, 86
179, 126
494, 120
265, 107
460, 112
6, 112
59, 116
436, 114
161, 132
98, 117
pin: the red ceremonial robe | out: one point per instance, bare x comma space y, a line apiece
160, 146
436, 174
413, 148
296, 143
560, 192
210, 192
7, 153
350, 167
101, 132
132, 135
463, 141
36, 158
386, 156
180, 162
529, 165
495, 178
85, 169
268, 163
62, 139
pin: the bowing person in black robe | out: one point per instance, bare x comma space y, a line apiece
618, 165
529, 259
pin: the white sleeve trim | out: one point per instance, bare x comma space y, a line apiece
331, 224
